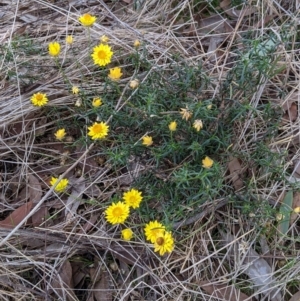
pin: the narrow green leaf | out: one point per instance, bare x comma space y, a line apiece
285, 212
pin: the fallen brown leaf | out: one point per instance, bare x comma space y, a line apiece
235, 170
35, 189
16, 216
295, 297
101, 288
39, 216
63, 285
236, 13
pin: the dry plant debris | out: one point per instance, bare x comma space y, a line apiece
149, 150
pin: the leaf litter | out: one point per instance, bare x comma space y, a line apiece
209, 40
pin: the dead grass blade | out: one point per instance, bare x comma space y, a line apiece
223, 291
249, 262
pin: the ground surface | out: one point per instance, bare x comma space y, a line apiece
233, 68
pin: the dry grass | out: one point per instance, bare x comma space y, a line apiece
63, 249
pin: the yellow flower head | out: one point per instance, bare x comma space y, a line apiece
39, 99
117, 213
164, 243
133, 198
104, 39
297, 210
87, 20
98, 130
137, 44
127, 234
54, 48
115, 73
60, 134
207, 162
153, 230
134, 83
75, 90
61, 186
209, 107
172, 126
97, 102
69, 40
102, 55
198, 125
147, 140
186, 114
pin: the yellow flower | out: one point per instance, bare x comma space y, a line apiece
209, 107
115, 73
172, 126
198, 125
102, 55
137, 44
61, 186
207, 162
39, 99
134, 84
60, 134
164, 243
75, 90
97, 102
87, 20
133, 198
297, 210
186, 114
104, 39
117, 213
98, 130
54, 48
153, 230
69, 40
147, 140
127, 234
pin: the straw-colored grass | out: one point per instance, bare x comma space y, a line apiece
231, 223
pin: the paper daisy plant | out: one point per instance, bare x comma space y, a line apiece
61, 186
98, 130
127, 234
147, 140
87, 20
117, 213
133, 198
153, 230
102, 55
115, 73
60, 134
54, 48
207, 162
164, 243
39, 99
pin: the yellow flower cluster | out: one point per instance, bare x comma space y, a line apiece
155, 232
118, 212
162, 239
